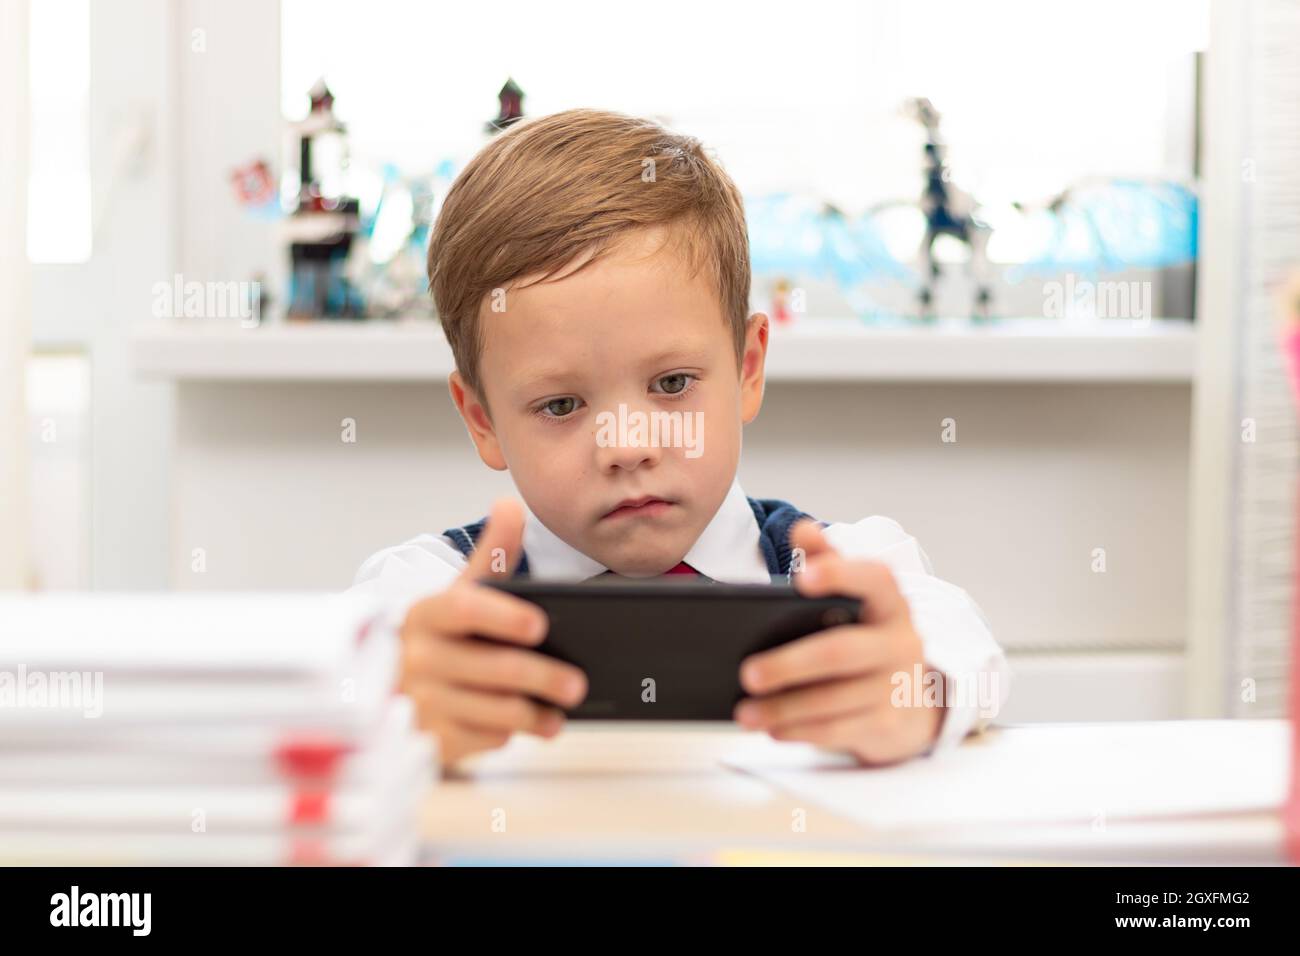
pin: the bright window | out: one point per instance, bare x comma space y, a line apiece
798, 98
58, 186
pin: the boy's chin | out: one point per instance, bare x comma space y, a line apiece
642, 565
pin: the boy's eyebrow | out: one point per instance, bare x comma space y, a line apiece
678, 355
542, 377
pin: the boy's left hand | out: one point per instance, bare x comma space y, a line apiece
833, 689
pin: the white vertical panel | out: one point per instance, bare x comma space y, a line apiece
133, 53
15, 337
1266, 471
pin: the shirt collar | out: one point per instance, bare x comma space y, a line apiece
727, 549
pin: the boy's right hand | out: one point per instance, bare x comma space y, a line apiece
473, 694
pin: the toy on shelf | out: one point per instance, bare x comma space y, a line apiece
781, 302
510, 109
396, 280
1110, 224
795, 240
1096, 225
321, 228
948, 211
254, 184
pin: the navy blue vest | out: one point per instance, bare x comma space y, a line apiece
774, 520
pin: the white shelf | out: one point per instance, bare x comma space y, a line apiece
1017, 350
414, 351
1021, 350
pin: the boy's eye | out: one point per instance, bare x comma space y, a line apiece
559, 407
672, 384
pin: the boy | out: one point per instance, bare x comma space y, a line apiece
589, 265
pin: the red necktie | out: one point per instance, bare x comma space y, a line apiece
681, 568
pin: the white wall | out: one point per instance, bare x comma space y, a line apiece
14, 294
1039, 477
229, 114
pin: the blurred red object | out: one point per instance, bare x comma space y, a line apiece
253, 183
1290, 342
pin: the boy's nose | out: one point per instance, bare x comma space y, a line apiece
628, 457
626, 440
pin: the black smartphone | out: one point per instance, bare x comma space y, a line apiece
661, 649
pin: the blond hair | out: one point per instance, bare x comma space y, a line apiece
551, 189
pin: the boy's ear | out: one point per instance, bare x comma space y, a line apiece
751, 367
475, 414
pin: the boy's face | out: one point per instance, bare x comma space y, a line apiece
632, 329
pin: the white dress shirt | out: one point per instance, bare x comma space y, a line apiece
955, 636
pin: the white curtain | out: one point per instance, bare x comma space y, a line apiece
15, 295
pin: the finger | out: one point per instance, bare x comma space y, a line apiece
816, 702
457, 741
468, 609
500, 544
483, 666
807, 535
871, 581
874, 735
511, 713
842, 730
841, 651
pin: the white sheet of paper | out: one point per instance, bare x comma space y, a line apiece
1046, 772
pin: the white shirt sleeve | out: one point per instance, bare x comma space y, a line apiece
401, 575
955, 635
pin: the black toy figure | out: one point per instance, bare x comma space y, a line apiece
320, 230
949, 211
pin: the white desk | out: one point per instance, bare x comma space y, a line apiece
656, 794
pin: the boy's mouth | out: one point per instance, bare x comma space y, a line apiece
645, 506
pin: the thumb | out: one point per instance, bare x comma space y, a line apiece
806, 537
500, 544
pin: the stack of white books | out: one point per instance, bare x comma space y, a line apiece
206, 729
